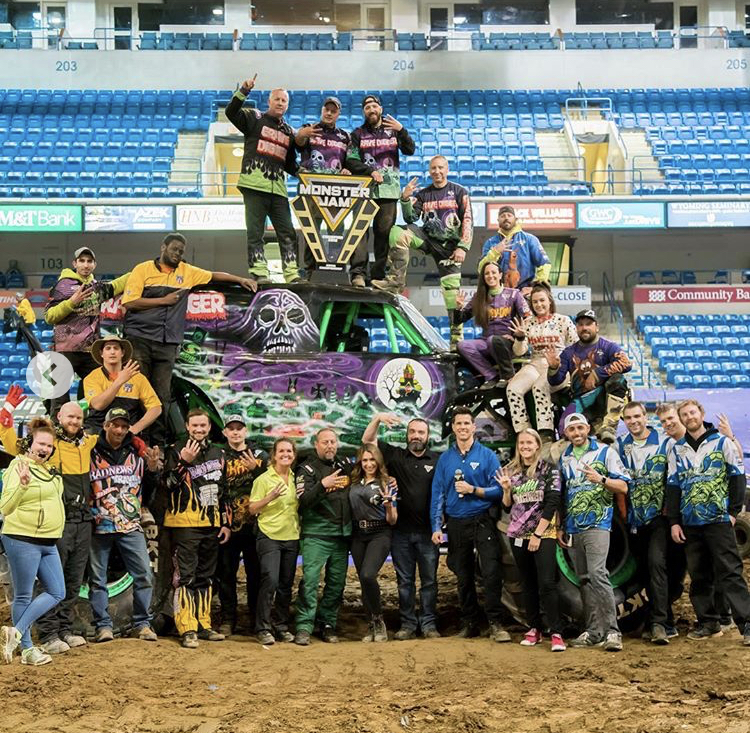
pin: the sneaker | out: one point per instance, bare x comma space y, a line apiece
659, 635
704, 631
531, 638
468, 632
727, 625
490, 384
284, 636
104, 634
328, 634
379, 632
190, 640
265, 638
646, 634
405, 635
431, 633
358, 281
302, 638
74, 640
586, 641
210, 635
370, 635
672, 632
746, 635
35, 657
558, 644
498, 634
226, 629
10, 638
146, 633
55, 646
613, 642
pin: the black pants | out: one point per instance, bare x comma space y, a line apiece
157, 364
258, 206
538, 572
73, 546
649, 547
240, 544
83, 364
464, 537
369, 551
502, 350
382, 224
712, 558
278, 563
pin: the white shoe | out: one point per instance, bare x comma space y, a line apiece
56, 646
35, 657
10, 638
73, 640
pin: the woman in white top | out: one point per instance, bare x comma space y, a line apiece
544, 329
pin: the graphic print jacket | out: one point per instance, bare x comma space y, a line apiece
445, 213
534, 498
590, 364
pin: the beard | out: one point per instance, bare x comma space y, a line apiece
416, 446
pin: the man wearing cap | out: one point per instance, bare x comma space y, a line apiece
374, 151
244, 463
269, 155
596, 367
522, 258
446, 233
74, 312
118, 383
155, 302
591, 475
323, 149
121, 466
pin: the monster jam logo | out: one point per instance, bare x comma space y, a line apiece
334, 214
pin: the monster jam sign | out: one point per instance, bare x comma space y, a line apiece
334, 214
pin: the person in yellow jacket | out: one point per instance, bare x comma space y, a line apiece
274, 500
74, 312
72, 460
33, 520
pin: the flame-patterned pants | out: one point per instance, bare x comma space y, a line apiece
195, 552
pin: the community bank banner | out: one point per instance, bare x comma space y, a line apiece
687, 294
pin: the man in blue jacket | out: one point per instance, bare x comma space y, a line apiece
463, 490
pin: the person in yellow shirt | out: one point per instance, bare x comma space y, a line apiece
155, 302
118, 383
274, 500
34, 517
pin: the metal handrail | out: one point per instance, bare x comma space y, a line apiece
733, 275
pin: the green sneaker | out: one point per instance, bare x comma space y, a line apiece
35, 657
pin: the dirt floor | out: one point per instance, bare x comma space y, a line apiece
442, 686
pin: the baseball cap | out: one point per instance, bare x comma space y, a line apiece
506, 208
233, 414
118, 413
587, 313
332, 100
371, 98
84, 250
575, 418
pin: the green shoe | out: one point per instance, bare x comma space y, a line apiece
35, 657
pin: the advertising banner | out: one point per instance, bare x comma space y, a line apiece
708, 214
210, 217
536, 215
621, 215
724, 294
129, 219
40, 218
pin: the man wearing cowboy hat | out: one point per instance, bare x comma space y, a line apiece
520, 255
118, 383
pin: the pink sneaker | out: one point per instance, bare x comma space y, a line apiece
531, 638
558, 645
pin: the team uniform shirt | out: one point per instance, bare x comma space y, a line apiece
324, 513
556, 331
413, 475
117, 478
377, 149
279, 519
588, 505
534, 498
326, 151
366, 502
590, 364
136, 396
196, 490
523, 261
699, 480
269, 148
76, 326
477, 468
646, 464
504, 305
445, 213
151, 279
238, 481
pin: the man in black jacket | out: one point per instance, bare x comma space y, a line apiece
374, 151
269, 155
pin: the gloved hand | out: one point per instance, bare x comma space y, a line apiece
12, 400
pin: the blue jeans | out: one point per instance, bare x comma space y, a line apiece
29, 561
410, 551
134, 554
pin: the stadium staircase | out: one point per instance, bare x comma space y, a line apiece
558, 158
186, 165
641, 157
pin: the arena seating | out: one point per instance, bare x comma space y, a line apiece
700, 350
14, 357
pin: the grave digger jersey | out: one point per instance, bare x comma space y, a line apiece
195, 492
445, 213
